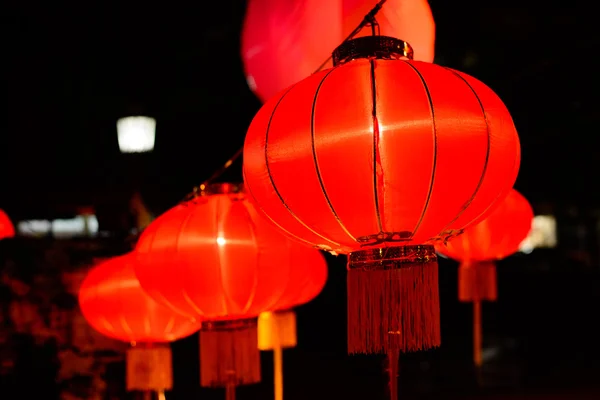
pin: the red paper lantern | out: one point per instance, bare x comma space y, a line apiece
284, 41
215, 257
7, 230
113, 302
378, 157
496, 237
477, 249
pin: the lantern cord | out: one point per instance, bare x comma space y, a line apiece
368, 20
196, 190
224, 168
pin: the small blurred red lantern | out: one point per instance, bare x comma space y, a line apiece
284, 41
214, 257
113, 302
496, 237
378, 157
7, 230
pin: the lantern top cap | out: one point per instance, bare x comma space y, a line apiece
379, 47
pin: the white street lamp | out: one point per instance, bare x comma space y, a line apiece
136, 134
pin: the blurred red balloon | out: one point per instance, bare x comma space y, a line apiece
284, 41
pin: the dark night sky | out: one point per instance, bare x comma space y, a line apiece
70, 72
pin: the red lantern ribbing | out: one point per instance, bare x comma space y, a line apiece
477, 249
113, 302
377, 158
284, 41
7, 230
216, 258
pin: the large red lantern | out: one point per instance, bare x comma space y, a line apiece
216, 258
496, 237
377, 158
7, 230
284, 41
113, 302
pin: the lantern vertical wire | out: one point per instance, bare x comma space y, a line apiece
377, 166
435, 149
267, 164
487, 155
219, 221
316, 160
253, 291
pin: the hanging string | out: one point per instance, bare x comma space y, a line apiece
368, 20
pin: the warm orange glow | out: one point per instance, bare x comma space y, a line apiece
283, 42
339, 166
7, 230
496, 237
113, 302
217, 258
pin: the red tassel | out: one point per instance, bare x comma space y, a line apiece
477, 282
229, 354
149, 368
393, 300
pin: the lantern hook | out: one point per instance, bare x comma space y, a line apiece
375, 31
368, 20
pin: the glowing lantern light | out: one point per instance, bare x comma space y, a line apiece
284, 41
377, 158
113, 302
136, 134
216, 258
496, 237
7, 230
